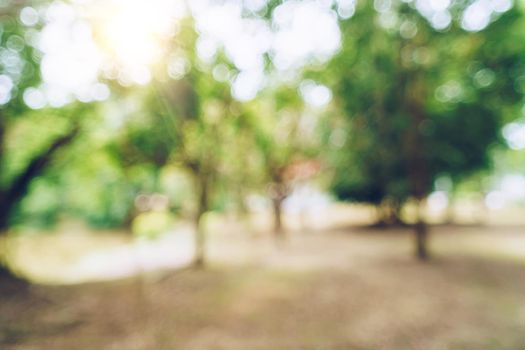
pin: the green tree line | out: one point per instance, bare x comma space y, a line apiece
416, 95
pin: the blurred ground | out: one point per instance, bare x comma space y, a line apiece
343, 287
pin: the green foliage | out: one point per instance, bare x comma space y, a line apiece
419, 102
20, 61
29, 139
411, 103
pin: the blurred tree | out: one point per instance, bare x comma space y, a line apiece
21, 163
423, 97
284, 136
143, 147
193, 112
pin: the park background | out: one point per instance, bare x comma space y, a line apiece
262, 174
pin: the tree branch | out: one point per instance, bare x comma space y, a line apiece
10, 197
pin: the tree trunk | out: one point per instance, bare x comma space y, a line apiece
421, 240
421, 234
277, 218
200, 232
10, 283
4, 216
417, 167
418, 174
389, 214
278, 191
420, 227
11, 196
200, 240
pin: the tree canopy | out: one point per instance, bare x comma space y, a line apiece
420, 99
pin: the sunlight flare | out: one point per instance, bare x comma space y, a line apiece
135, 34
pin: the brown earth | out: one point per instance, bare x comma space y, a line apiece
348, 288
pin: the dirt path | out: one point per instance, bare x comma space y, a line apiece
346, 289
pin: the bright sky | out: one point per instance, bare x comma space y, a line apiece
123, 39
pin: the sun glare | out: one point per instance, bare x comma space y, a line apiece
134, 34
128, 40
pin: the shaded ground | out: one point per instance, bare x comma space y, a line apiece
340, 289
